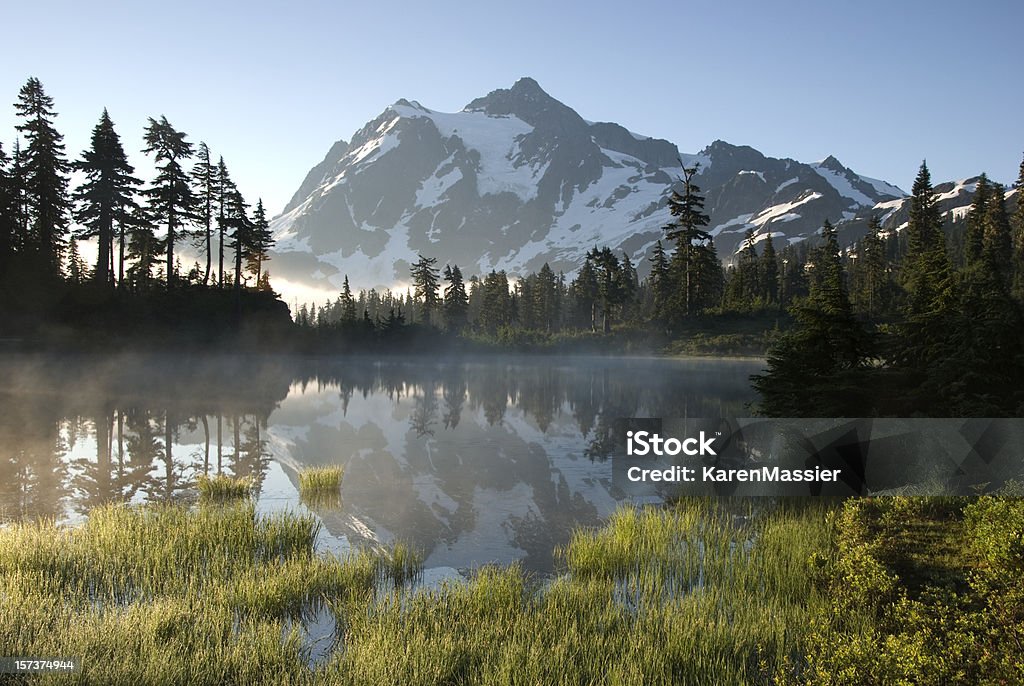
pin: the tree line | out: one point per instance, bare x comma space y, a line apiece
687, 282
139, 227
924, 323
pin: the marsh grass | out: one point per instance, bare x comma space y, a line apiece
402, 564
321, 486
165, 594
695, 593
223, 488
699, 593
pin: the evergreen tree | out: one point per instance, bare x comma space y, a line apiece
8, 215
976, 367
749, 281
22, 241
871, 280
237, 220
456, 302
496, 302
609, 281
424, 279
224, 188
819, 367
205, 184
974, 241
43, 171
261, 240
926, 268
690, 258
768, 271
348, 304
107, 198
661, 284
78, 270
143, 250
997, 248
546, 300
926, 276
1018, 238
585, 293
170, 198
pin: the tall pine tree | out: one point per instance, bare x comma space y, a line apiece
107, 198
225, 187
456, 302
690, 258
170, 197
1018, 238
974, 240
205, 183
424, 280
926, 278
43, 170
8, 214
261, 241
819, 367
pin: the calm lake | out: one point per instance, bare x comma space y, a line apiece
490, 460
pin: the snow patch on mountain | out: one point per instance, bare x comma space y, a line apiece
783, 212
842, 185
496, 139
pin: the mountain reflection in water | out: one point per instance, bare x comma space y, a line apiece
489, 460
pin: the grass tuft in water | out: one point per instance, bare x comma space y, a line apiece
223, 488
402, 565
321, 486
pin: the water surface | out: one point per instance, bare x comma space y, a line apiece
472, 462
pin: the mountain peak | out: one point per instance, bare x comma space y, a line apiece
832, 163
527, 86
529, 102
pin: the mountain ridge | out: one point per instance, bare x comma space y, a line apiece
517, 179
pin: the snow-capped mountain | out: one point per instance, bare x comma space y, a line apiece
518, 179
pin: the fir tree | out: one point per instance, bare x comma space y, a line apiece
224, 187
107, 198
205, 184
546, 299
871, 282
584, 290
496, 302
78, 270
661, 284
609, 281
819, 367
348, 304
143, 250
768, 271
997, 246
974, 240
261, 241
8, 215
43, 171
749, 281
926, 268
456, 302
926, 275
424, 279
237, 220
689, 260
1018, 238
170, 198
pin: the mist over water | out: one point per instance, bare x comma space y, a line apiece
470, 461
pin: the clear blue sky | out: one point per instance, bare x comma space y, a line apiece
270, 85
